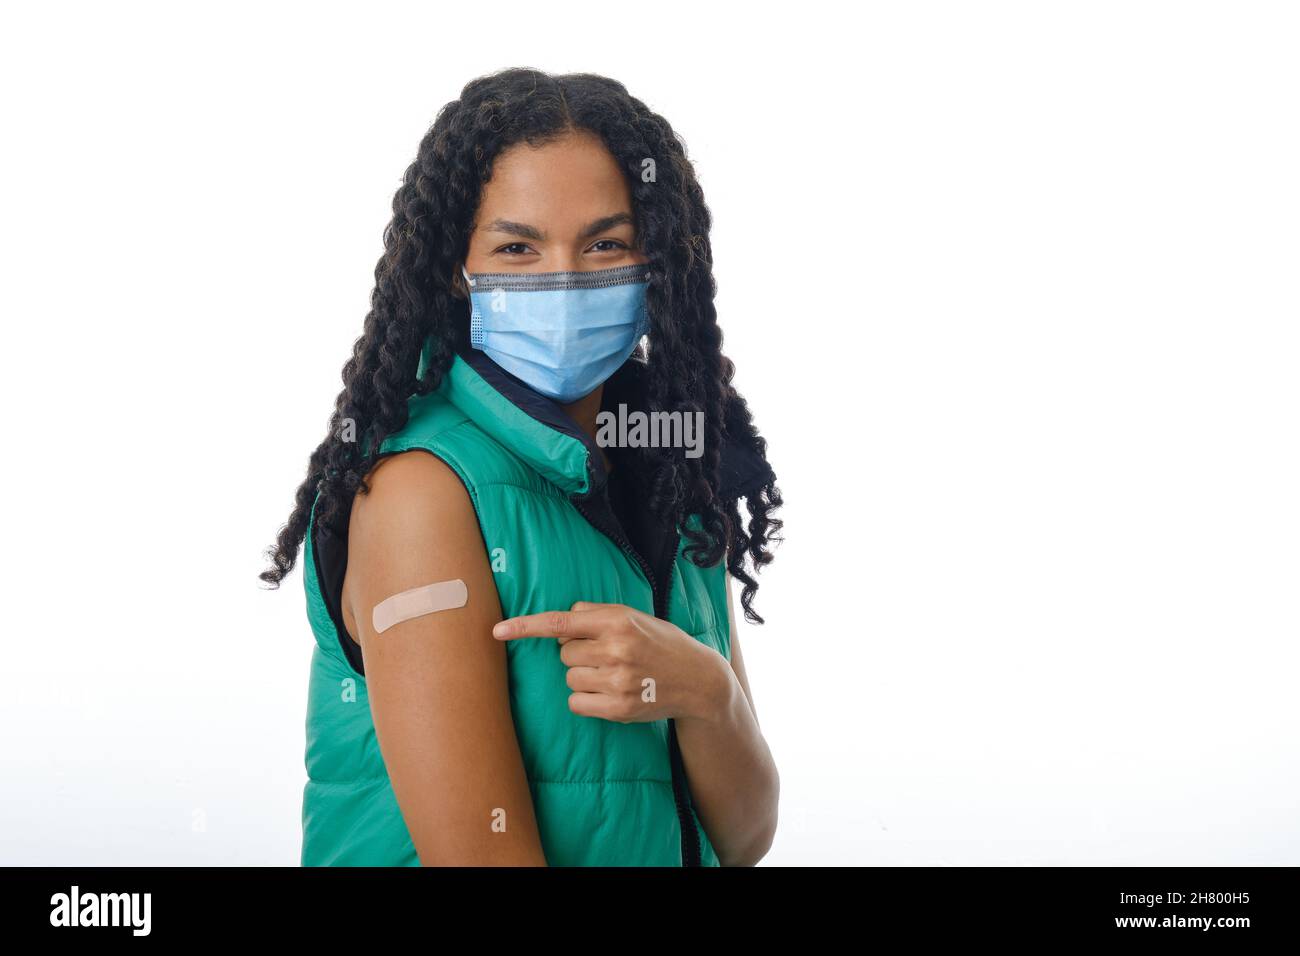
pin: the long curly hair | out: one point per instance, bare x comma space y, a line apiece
415, 297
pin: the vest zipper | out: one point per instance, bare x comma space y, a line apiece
681, 794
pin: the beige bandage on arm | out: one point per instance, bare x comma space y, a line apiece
417, 602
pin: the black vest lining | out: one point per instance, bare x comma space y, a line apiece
330, 552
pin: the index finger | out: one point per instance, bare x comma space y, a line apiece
561, 624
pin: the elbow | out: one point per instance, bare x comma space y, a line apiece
753, 850
760, 839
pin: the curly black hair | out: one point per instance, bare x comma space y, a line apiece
416, 296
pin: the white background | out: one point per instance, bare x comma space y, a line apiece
1012, 289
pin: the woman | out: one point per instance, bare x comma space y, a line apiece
581, 699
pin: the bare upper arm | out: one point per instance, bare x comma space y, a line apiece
738, 661
438, 684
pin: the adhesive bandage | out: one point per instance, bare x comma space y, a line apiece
417, 602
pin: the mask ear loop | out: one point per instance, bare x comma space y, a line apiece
645, 314
426, 350
475, 316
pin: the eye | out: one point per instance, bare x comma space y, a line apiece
514, 249
607, 245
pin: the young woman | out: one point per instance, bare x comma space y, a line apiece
559, 679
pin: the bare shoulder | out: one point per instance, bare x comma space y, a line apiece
413, 494
415, 483
416, 525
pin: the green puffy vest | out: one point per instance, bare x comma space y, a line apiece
604, 793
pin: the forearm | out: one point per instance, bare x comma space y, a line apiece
733, 778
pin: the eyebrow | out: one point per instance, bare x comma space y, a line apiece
606, 223
520, 229
525, 231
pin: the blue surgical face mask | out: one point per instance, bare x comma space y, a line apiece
562, 333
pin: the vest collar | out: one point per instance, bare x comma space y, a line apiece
529, 424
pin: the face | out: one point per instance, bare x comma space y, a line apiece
562, 207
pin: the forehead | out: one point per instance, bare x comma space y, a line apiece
564, 184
